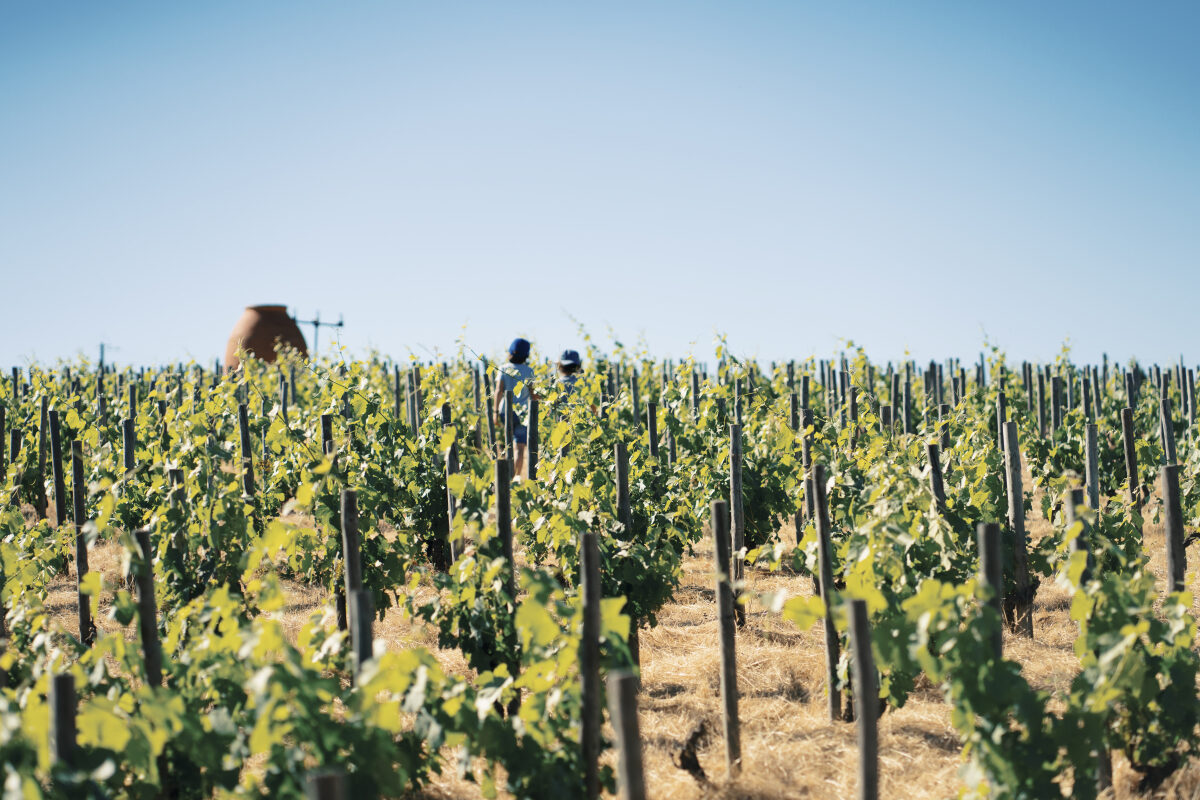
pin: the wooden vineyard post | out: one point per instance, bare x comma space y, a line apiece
1092, 467
148, 610
491, 425
504, 521
936, 487
101, 400
944, 425
625, 517
63, 706
362, 620
725, 619
448, 556
39, 497
351, 559
1056, 388
816, 487
56, 465
1021, 605
737, 517
866, 700
1173, 527
248, 465
326, 784
3, 454
129, 443
418, 397
806, 442
622, 708
503, 488
283, 399
1131, 459
247, 453
398, 391
991, 575
531, 439
327, 434
410, 402
1166, 426
1041, 403
633, 396
1001, 418
907, 410
695, 398
652, 428
1191, 401
87, 631
589, 664
509, 415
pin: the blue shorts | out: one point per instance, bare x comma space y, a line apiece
520, 434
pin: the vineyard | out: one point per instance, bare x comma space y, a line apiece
804, 579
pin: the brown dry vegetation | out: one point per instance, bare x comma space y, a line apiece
790, 749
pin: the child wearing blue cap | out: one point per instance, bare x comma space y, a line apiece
568, 370
517, 377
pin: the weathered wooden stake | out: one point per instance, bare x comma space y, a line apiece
39, 497
866, 701
326, 784
351, 558
816, 487
737, 515
129, 441
652, 427
1021, 604
1092, 467
449, 555
504, 522
63, 706
327, 434
1131, 460
622, 708
247, 453
1041, 403
1173, 527
148, 610
936, 486
56, 464
362, 622
531, 439
991, 575
589, 664
725, 617
1166, 425
87, 631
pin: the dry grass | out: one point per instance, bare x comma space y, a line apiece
790, 749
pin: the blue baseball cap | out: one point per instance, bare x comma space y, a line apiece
519, 348
569, 358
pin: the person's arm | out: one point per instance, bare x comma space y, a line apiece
496, 400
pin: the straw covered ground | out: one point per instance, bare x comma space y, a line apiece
790, 749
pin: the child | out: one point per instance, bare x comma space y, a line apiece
516, 377
568, 369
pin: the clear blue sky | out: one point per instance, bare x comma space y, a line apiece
906, 175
